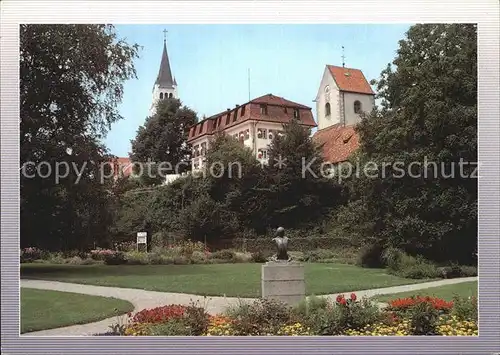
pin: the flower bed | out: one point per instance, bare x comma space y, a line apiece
317, 316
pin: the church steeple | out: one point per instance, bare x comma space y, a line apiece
165, 85
164, 78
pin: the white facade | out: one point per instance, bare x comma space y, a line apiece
344, 107
256, 135
160, 93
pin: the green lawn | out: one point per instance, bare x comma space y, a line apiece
241, 280
464, 289
44, 309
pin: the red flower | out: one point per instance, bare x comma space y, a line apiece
343, 301
353, 297
340, 298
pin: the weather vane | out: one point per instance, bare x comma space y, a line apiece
343, 57
165, 35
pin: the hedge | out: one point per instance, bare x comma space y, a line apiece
295, 244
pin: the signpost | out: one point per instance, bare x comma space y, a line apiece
142, 238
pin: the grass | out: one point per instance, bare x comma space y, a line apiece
447, 292
241, 280
44, 309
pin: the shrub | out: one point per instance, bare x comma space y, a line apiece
76, 260
348, 314
468, 271
309, 308
114, 258
196, 318
181, 260
198, 257
407, 266
464, 308
259, 257
30, 254
241, 257
263, 316
370, 256
68, 254
318, 254
423, 319
224, 254
136, 258
169, 328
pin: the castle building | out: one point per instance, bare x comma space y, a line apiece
254, 124
343, 94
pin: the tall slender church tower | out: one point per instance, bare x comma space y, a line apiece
165, 85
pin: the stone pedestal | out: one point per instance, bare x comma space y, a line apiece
283, 281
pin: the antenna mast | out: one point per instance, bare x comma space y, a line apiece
248, 84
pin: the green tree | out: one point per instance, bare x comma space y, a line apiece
295, 187
71, 80
428, 113
162, 139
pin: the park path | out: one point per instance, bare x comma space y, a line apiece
142, 299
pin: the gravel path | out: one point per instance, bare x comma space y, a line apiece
142, 299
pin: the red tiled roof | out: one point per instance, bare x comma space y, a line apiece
275, 113
123, 164
351, 80
339, 142
271, 99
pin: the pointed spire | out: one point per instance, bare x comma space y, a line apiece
164, 78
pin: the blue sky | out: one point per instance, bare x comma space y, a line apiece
211, 62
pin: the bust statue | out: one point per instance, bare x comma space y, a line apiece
281, 245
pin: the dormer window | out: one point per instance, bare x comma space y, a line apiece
263, 109
296, 113
235, 115
357, 106
243, 110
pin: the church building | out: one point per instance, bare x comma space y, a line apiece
343, 94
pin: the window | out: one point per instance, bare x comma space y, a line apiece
271, 134
262, 133
296, 113
170, 95
201, 127
262, 154
247, 134
203, 148
263, 109
228, 118
161, 96
357, 106
235, 116
327, 109
243, 110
